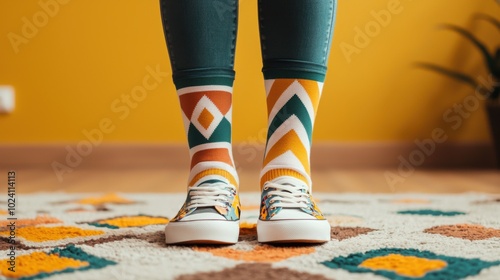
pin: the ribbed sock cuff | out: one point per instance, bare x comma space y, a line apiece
275, 173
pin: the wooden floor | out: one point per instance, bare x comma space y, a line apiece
173, 180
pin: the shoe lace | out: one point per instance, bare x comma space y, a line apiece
211, 194
287, 195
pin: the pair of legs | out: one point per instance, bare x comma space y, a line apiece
295, 40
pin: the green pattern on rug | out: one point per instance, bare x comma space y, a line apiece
430, 212
453, 268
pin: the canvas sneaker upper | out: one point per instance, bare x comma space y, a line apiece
288, 198
214, 198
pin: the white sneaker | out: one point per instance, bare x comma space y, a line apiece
210, 215
288, 214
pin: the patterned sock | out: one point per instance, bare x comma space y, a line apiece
206, 112
291, 107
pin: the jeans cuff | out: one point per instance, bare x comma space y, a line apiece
203, 76
294, 69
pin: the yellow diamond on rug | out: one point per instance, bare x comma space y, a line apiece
133, 221
39, 262
41, 234
404, 265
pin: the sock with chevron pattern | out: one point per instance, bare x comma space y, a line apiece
292, 106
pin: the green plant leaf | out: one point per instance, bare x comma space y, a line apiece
450, 73
489, 19
489, 93
490, 61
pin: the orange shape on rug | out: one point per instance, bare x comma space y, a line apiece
411, 201
110, 198
39, 220
39, 262
410, 266
465, 231
134, 221
41, 234
261, 253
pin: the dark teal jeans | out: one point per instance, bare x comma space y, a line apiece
295, 38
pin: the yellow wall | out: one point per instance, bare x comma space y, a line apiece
91, 52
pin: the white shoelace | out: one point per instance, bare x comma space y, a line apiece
289, 196
211, 194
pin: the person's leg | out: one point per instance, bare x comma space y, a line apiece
201, 38
295, 41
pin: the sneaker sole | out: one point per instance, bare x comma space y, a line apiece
202, 232
293, 231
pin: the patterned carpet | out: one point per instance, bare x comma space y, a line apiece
120, 236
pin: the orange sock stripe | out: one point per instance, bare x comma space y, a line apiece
217, 154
